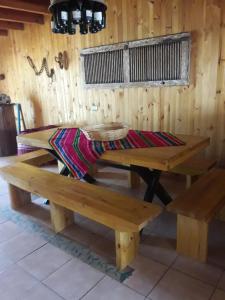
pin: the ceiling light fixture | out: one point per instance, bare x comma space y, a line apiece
87, 15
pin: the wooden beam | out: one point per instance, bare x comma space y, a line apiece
3, 32
25, 6
20, 16
11, 25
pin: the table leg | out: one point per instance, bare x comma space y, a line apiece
151, 178
161, 193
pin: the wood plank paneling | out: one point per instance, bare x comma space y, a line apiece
198, 109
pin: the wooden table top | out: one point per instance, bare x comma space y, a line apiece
160, 158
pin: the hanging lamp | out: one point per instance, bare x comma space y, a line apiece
70, 15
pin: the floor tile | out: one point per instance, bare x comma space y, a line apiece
112, 290
14, 283
205, 272
177, 286
3, 191
37, 213
73, 279
41, 292
5, 263
117, 180
146, 275
2, 220
8, 230
164, 226
158, 248
3, 187
79, 218
80, 234
218, 295
20, 246
95, 227
217, 243
105, 248
4, 200
44, 261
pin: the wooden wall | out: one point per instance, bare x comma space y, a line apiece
198, 109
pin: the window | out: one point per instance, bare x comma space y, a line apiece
151, 62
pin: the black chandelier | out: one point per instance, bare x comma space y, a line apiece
68, 15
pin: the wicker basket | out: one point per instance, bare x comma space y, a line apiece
106, 132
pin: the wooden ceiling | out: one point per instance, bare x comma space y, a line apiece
15, 13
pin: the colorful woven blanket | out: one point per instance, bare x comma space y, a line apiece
78, 153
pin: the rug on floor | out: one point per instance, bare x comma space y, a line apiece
70, 246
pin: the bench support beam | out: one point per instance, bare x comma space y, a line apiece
18, 197
192, 238
127, 244
60, 217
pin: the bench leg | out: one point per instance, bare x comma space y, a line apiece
60, 217
127, 244
192, 238
18, 197
134, 180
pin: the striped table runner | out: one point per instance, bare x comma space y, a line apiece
78, 153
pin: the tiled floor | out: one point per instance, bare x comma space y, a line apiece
31, 269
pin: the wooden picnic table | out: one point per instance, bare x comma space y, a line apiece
147, 162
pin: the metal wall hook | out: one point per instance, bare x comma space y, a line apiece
44, 67
62, 60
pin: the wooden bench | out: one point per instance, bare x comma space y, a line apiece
35, 158
193, 168
195, 209
126, 215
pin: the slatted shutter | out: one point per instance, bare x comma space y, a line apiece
155, 62
150, 62
104, 67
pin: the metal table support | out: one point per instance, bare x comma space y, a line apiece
151, 178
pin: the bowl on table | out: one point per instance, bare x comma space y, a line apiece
106, 132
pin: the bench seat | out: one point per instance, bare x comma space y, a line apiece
195, 209
193, 168
35, 158
126, 215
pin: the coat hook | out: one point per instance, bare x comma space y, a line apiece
62, 60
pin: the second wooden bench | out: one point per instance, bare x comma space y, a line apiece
195, 209
126, 215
